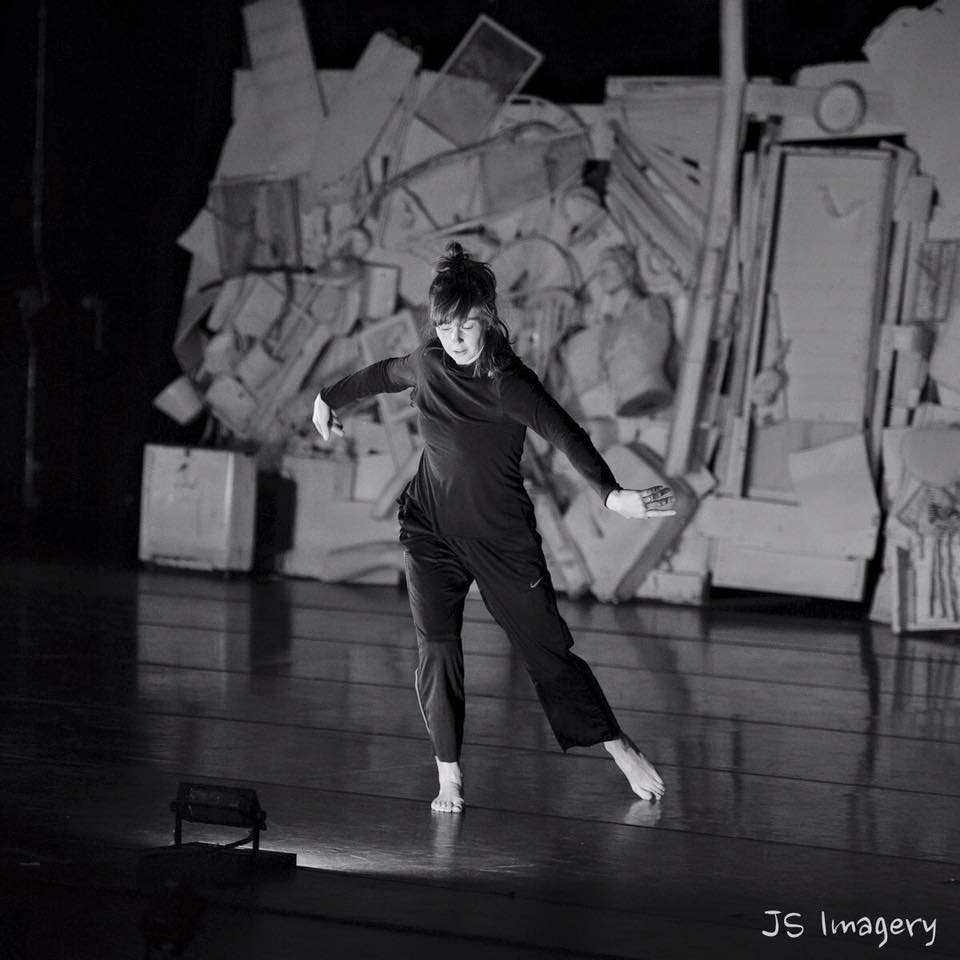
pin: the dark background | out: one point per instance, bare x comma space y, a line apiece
136, 106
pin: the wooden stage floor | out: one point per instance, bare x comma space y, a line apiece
811, 767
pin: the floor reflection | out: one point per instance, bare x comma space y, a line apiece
768, 732
446, 829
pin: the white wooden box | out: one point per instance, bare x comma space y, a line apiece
197, 508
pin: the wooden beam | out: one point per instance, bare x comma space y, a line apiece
703, 303
811, 575
753, 313
775, 100
784, 527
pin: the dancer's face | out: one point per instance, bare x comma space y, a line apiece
462, 339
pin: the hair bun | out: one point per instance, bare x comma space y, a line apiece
454, 258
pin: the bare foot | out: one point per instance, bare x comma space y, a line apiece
639, 771
450, 797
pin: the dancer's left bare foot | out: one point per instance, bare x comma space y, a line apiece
639, 771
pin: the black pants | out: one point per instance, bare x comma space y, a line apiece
512, 577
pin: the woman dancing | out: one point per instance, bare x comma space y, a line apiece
466, 517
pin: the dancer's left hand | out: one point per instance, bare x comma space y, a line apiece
657, 501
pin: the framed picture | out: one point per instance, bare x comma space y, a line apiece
257, 225
487, 67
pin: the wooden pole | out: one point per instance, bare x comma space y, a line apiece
716, 242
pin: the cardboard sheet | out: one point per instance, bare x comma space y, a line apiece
286, 80
834, 485
613, 547
191, 337
361, 111
945, 360
247, 151
254, 309
514, 173
257, 224
200, 239
915, 54
202, 274
180, 401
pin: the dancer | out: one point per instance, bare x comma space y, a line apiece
466, 517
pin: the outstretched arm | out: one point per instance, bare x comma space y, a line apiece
385, 376
526, 400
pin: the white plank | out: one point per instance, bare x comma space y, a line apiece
809, 575
717, 239
290, 107
677, 115
247, 151
915, 53
896, 269
797, 104
371, 94
782, 527
753, 310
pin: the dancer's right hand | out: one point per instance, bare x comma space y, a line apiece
325, 419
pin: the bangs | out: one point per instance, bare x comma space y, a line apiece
448, 305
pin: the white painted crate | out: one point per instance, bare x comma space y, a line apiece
197, 508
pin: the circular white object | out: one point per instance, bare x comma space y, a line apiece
841, 107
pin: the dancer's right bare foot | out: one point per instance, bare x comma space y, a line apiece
450, 797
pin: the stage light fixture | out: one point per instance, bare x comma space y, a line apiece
220, 805
207, 866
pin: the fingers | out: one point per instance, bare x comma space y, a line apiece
656, 501
323, 426
658, 498
642, 504
332, 426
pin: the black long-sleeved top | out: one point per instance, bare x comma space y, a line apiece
469, 483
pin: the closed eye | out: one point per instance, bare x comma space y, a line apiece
465, 325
